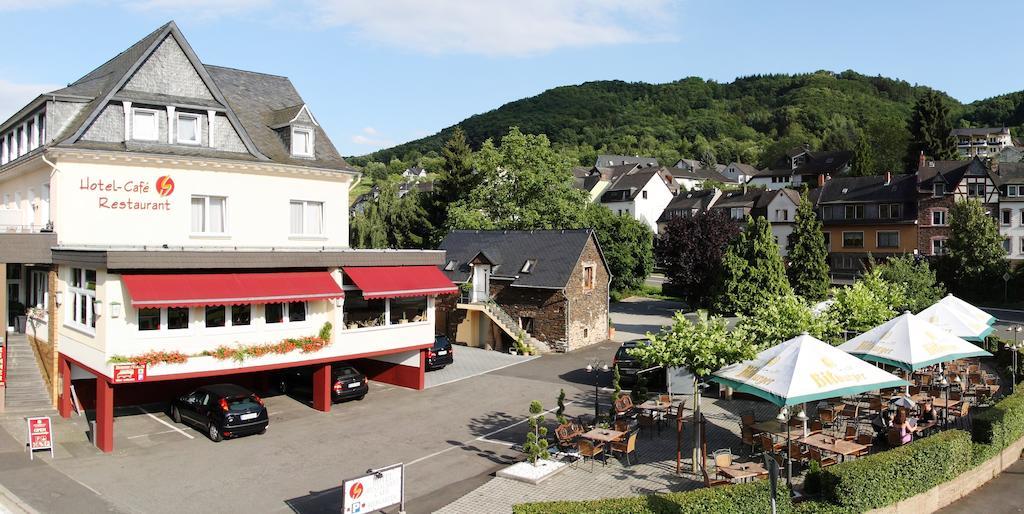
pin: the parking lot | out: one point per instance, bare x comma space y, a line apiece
452, 437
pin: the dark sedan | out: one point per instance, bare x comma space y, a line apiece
222, 410
441, 354
347, 383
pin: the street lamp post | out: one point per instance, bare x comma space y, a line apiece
944, 385
596, 368
784, 417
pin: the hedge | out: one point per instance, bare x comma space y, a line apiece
891, 476
752, 498
994, 428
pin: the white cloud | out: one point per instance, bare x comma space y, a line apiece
14, 96
369, 137
498, 27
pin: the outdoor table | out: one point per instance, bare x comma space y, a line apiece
743, 470
940, 403
774, 427
922, 427
603, 435
655, 405
832, 444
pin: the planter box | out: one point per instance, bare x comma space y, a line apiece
526, 472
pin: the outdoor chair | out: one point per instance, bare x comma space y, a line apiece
648, 421
590, 450
747, 437
892, 436
822, 461
955, 396
915, 390
796, 454
767, 444
875, 404
624, 407
664, 398
746, 420
566, 439
815, 427
961, 417
866, 440
621, 425
851, 433
625, 447
708, 482
723, 458
827, 417
926, 380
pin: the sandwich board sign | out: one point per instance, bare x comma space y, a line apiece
377, 490
40, 435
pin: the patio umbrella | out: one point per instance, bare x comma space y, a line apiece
946, 315
905, 402
804, 369
911, 343
968, 309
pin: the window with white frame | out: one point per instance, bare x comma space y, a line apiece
1013, 190
939, 246
889, 210
37, 290
1006, 217
284, 312
302, 142
975, 190
170, 318
188, 129
1007, 247
306, 218
781, 215
209, 215
737, 213
939, 217
888, 239
82, 296
144, 125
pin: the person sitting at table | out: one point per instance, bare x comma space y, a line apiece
902, 423
881, 423
928, 414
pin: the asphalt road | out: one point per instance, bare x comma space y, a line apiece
452, 439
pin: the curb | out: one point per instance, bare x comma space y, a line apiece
11, 504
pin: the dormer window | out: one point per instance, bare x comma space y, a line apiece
528, 266
144, 125
938, 189
450, 266
302, 142
188, 129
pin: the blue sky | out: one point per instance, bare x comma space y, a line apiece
381, 72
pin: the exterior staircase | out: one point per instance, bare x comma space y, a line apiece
26, 389
511, 327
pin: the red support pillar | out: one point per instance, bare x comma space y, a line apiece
322, 388
421, 379
104, 435
64, 400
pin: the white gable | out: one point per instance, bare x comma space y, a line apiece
168, 71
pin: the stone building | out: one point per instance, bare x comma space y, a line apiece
548, 286
939, 185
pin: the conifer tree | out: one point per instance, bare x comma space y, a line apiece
752, 272
808, 268
930, 130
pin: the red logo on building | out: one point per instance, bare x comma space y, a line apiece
356, 490
165, 185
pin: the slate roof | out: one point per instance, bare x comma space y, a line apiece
253, 102
778, 172
745, 169
1009, 173
555, 253
980, 131
687, 202
618, 160
739, 199
873, 189
701, 173
825, 162
951, 172
630, 182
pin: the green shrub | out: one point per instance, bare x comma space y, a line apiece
750, 498
994, 428
894, 475
812, 482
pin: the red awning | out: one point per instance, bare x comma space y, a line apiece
196, 290
396, 281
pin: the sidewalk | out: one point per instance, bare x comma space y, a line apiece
36, 486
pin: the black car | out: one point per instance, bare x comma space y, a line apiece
629, 367
441, 354
222, 410
347, 382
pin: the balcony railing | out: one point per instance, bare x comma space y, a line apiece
963, 143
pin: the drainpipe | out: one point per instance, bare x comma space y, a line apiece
568, 311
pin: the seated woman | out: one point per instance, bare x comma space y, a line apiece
902, 424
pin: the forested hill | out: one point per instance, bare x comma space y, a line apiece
752, 119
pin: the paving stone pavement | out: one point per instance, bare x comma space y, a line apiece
654, 472
470, 362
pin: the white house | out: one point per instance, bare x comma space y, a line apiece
161, 215
780, 210
1009, 179
642, 193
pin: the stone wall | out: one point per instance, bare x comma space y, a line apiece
225, 137
109, 125
588, 307
925, 230
546, 307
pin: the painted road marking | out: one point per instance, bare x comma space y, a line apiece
484, 372
481, 438
162, 422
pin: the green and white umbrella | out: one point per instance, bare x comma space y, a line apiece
948, 313
804, 369
911, 343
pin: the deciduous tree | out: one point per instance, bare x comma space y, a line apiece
976, 255
691, 249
